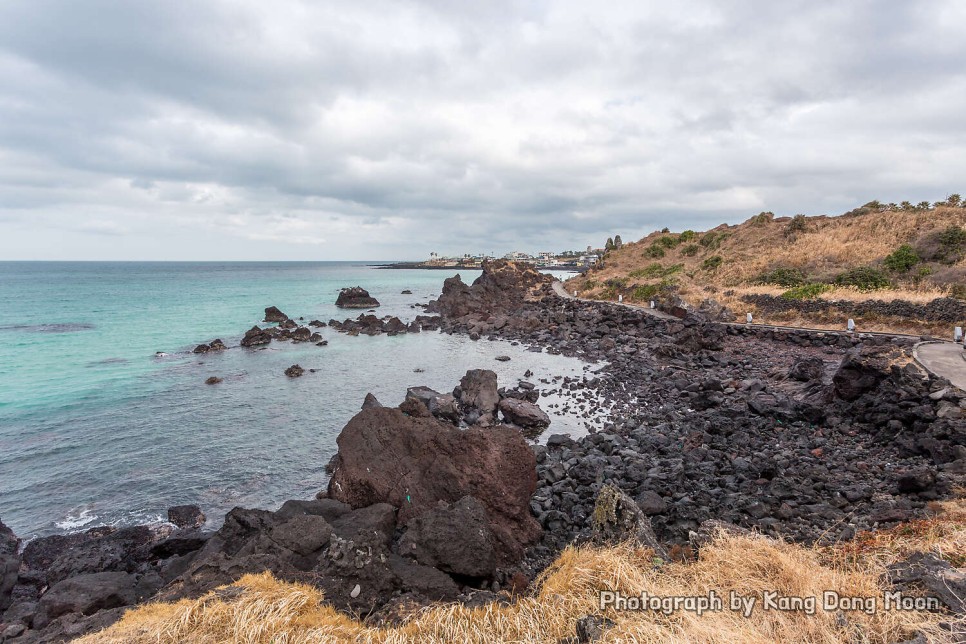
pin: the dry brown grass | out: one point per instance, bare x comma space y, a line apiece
270, 611
829, 246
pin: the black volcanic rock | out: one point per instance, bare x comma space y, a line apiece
294, 371
355, 297
186, 516
272, 314
255, 336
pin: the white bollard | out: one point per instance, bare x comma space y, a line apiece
620, 298
749, 319
575, 293
851, 325
958, 334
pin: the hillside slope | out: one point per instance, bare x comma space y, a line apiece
815, 271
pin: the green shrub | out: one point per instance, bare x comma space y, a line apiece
712, 240
616, 282
657, 270
901, 259
712, 263
690, 250
686, 236
762, 218
782, 276
667, 241
654, 251
806, 291
864, 278
953, 238
645, 292
798, 224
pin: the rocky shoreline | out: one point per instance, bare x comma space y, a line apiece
807, 436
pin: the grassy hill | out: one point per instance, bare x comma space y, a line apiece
766, 264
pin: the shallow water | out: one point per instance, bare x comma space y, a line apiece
94, 428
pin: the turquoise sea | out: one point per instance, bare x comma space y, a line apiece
95, 429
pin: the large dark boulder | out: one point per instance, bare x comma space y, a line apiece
618, 518
414, 463
524, 414
355, 297
255, 336
87, 594
455, 538
859, 372
272, 314
807, 370
478, 395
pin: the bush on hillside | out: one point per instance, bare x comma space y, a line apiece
864, 278
762, 218
690, 250
806, 291
657, 270
798, 224
712, 263
654, 251
686, 236
901, 259
712, 240
783, 276
946, 246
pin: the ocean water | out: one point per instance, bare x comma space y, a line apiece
95, 429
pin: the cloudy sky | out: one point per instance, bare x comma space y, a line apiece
245, 129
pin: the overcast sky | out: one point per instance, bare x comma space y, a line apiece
201, 129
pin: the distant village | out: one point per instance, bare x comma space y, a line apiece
568, 259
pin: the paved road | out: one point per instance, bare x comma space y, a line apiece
946, 359
559, 289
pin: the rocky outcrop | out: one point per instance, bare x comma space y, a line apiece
455, 538
860, 372
255, 336
524, 414
414, 463
368, 324
478, 396
355, 297
503, 286
214, 345
67, 585
272, 314
294, 371
186, 516
9, 564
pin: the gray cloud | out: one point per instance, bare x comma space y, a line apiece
389, 129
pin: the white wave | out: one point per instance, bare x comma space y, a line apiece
77, 518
